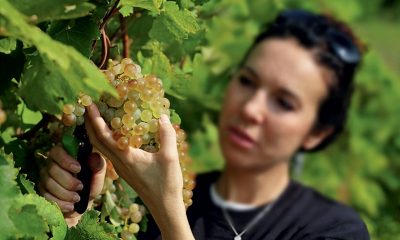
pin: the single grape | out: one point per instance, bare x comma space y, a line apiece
68, 119
123, 143
146, 116
79, 110
153, 125
130, 106
136, 216
86, 100
109, 75
68, 108
116, 123
135, 141
128, 120
134, 207
134, 228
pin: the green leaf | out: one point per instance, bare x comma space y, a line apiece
7, 45
46, 86
59, 74
174, 24
157, 64
8, 192
29, 223
79, 33
46, 213
151, 5
71, 145
139, 28
44, 10
126, 11
90, 228
25, 185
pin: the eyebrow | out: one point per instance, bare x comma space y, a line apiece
251, 71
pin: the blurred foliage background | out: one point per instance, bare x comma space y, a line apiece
362, 168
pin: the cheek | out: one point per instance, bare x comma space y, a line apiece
231, 99
287, 132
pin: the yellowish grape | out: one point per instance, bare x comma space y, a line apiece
68, 108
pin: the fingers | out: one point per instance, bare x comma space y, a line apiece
168, 139
98, 166
64, 178
64, 205
99, 129
64, 160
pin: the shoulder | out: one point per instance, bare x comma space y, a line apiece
322, 217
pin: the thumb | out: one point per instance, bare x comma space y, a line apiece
167, 138
98, 166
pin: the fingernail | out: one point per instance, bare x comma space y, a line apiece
79, 187
164, 118
76, 198
69, 207
76, 168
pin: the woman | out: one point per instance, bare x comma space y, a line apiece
290, 94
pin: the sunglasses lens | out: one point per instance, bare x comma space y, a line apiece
343, 47
340, 44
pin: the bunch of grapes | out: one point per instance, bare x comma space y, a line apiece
3, 115
133, 118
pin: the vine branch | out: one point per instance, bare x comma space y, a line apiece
46, 119
126, 42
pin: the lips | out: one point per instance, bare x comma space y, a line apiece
240, 138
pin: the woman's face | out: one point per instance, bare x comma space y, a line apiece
271, 105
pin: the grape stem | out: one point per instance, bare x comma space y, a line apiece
105, 48
105, 40
126, 42
46, 119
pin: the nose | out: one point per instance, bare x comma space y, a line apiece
254, 107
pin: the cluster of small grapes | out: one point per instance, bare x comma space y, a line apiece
114, 198
133, 215
133, 118
3, 115
73, 114
134, 115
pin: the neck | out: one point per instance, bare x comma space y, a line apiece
253, 187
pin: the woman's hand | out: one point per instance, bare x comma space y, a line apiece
58, 181
156, 177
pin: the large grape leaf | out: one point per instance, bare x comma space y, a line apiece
28, 222
8, 192
48, 215
174, 24
78, 33
45, 10
90, 228
59, 74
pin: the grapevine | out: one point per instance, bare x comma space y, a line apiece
133, 117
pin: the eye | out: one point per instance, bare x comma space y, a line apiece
285, 104
245, 81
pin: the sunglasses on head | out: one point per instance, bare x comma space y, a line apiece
338, 42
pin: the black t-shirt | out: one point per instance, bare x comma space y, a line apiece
299, 213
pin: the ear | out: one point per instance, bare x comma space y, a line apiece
316, 137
